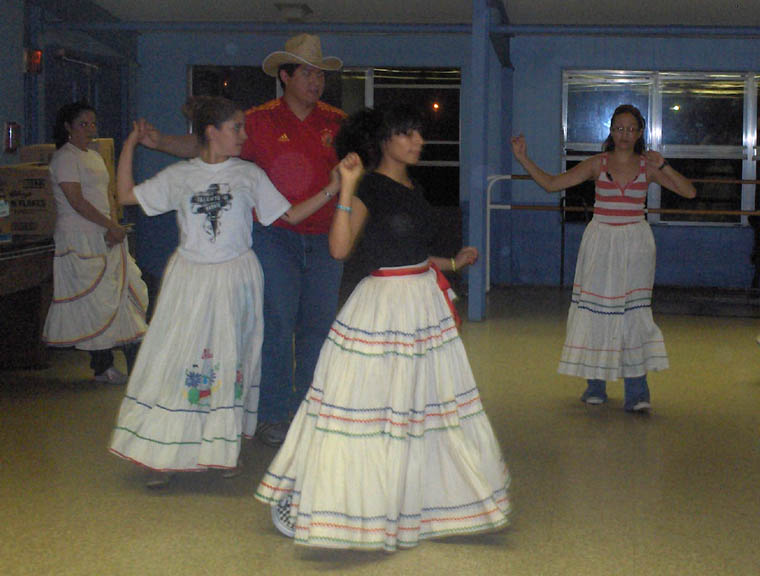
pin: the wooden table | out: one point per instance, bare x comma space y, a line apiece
26, 289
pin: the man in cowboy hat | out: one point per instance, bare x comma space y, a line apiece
291, 139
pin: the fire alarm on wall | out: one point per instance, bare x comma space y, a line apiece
32, 61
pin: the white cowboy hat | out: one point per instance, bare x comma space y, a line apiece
301, 49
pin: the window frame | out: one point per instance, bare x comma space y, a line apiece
747, 152
378, 78
372, 86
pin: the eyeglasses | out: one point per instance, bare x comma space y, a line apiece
627, 129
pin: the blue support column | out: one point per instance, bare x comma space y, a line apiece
476, 128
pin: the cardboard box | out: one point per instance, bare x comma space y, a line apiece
37, 153
42, 153
30, 198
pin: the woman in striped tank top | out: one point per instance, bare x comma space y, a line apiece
610, 330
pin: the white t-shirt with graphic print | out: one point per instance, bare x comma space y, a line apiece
213, 204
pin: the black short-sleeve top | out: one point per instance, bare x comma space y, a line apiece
399, 227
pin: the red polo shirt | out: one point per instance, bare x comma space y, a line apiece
296, 154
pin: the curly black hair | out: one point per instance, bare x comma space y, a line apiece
364, 131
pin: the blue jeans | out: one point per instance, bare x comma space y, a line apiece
636, 390
301, 286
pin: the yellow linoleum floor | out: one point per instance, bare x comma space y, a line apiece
595, 491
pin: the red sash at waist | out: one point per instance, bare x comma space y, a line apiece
442, 281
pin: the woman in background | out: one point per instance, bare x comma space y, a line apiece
99, 298
610, 330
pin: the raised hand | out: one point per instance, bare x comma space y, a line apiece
134, 136
351, 168
466, 256
519, 147
149, 136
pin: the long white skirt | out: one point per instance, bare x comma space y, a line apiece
391, 444
195, 385
99, 298
610, 330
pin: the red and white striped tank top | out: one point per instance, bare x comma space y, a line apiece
618, 206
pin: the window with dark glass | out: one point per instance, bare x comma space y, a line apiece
434, 91
698, 121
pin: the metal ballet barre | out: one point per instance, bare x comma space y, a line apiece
495, 178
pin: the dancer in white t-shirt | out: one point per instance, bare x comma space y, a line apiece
196, 379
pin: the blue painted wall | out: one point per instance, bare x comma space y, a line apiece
525, 245
689, 256
11, 63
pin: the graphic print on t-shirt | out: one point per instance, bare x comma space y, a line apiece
212, 203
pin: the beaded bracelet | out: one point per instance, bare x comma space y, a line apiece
344, 208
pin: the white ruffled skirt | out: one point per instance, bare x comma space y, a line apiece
194, 390
391, 444
99, 298
610, 330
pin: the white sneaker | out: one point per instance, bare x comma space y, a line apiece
594, 400
642, 407
281, 517
111, 376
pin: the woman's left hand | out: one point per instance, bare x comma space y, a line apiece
654, 158
466, 256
